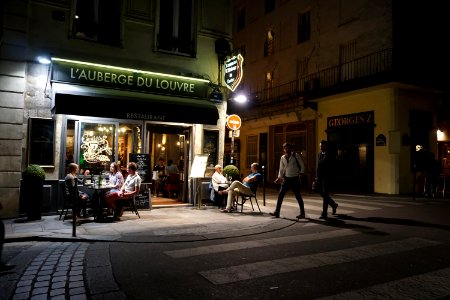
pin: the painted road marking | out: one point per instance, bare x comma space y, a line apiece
259, 243
431, 285
298, 263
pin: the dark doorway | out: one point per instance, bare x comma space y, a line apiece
354, 149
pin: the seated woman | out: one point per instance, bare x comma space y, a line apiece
115, 177
220, 185
71, 189
128, 190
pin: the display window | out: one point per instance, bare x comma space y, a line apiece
93, 145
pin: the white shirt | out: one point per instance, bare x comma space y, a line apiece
290, 168
132, 183
219, 180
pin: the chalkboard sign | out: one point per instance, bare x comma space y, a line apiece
142, 200
143, 165
41, 142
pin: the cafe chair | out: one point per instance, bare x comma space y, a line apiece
173, 185
68, 203
130, 203
218, 199
242, 198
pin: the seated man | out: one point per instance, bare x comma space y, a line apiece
248, 187
71, 189
128, 190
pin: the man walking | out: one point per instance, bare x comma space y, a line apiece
324, 170
289, 175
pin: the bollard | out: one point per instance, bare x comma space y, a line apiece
264, 184
74, 217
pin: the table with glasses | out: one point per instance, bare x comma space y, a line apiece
96, 197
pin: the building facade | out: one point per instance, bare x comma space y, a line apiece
124, 80
350, 72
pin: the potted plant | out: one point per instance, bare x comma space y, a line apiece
231, 171
32, 190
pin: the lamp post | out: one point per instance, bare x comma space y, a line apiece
233, 122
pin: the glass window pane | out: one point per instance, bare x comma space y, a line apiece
129, 141
96, 146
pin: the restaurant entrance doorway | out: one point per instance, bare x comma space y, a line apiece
169, 151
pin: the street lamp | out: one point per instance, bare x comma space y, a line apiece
240, 98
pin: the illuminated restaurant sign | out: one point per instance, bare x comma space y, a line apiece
352, 120
84, 73
233, 71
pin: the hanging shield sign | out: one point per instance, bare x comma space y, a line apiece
233, 71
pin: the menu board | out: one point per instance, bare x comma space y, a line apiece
142, 200
142, 161
199, 166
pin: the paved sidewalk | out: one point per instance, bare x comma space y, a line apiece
171, 223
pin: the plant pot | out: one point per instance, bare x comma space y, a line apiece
32, 195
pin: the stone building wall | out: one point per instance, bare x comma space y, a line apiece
12, 88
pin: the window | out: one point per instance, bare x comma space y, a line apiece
241, 20
304, 27
97, 20
269, 6
302, 67
175, 32
269, 80
252, 149
269, 44
349, 11
96, 146
347, 54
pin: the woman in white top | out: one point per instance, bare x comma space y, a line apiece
218, 180
115, 177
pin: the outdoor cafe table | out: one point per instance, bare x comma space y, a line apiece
96, 199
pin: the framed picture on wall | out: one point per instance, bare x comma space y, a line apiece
41, 142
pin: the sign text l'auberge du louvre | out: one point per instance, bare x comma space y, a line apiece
127, 79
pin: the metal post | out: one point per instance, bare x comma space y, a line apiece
414, 183
232, 147
199, 193
74, 217
264, 185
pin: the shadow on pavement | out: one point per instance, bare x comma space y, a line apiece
339, 223
395, 221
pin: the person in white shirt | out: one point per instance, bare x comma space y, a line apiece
219, 183
115, 177
130, 188
289, 175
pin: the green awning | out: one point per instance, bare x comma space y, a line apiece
120, 104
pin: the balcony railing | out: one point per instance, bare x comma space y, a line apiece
358, 72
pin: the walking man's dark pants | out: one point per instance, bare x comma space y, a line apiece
290, 183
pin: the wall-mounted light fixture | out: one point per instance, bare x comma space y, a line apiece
43, 60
